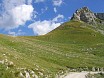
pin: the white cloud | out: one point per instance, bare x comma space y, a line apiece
58, 18
57, 2
28, 2
11, 33
15, 13
69, 17
37, 1
43, 27
18, 33
55, 10
43, 10
22, 13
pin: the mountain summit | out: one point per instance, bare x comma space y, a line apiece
86, 15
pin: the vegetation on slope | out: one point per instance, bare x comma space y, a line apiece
72, 45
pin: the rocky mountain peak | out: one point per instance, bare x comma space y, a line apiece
85, 15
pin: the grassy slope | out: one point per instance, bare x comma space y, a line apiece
81, 41
70, 45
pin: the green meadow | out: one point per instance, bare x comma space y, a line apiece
72, 45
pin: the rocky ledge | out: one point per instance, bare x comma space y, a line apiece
86, 15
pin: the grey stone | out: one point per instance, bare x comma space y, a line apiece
87, 16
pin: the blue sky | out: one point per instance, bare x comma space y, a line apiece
38, 17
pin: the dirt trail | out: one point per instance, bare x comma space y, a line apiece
78, 74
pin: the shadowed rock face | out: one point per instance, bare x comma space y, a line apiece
86, 15
99, 15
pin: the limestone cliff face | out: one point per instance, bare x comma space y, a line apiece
86, 15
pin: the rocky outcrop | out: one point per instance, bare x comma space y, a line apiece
86, 15
7, 63
99, 15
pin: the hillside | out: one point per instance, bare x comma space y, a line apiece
73, 45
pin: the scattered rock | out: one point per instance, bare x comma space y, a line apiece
4, 54
40, 73
10, 64
27, 74
21, 75
2, 62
